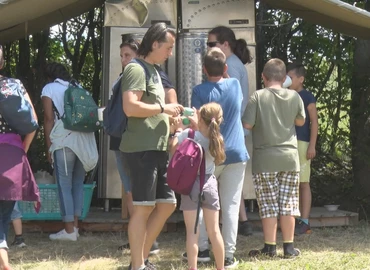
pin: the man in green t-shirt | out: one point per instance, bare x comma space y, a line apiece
272, 114
144, 143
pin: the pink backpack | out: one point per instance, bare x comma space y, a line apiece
185, 164
183, 169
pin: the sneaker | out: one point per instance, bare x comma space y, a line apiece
124, 246
301, 228
231, 262
245, 228
63, 235
261, 252
19, 242
203, 256
148, 266
77, 231
290, 255
154, 249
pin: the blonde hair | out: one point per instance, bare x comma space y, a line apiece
275, 70
212, 116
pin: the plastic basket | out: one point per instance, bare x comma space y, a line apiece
50, 203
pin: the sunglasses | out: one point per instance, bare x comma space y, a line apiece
212, 44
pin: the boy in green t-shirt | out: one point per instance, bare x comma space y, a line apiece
272, 114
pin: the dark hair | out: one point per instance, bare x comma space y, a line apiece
129, 41
238, 47
214, 62
2, 61
157, 32
298, 68
275, 70
56, 71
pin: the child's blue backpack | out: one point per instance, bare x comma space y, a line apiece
14, 108
114, 118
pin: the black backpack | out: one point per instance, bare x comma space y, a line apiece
114, 118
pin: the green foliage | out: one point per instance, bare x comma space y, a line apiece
76, 44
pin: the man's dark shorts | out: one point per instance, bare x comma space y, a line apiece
147, 171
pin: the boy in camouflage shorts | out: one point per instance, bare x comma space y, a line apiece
272, 114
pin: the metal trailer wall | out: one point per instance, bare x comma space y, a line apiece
185, 66
125, 17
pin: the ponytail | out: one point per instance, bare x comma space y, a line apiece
211, 113
242, 52
216, 143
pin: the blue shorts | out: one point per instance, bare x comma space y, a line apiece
123, 175
16, 213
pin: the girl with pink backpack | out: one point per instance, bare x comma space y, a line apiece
206, 123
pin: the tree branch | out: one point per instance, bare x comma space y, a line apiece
64, 41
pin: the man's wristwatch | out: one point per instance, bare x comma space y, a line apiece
162, 109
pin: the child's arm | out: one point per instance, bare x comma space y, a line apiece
301, 115
175, 129
299, 122
194, 119
250, 113
312, 112
174, 142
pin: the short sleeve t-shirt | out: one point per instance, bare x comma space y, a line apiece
4, 127
150, 133
304, 132
55, 91
272, 113
204, 142
228, 94
166, 83
237, 70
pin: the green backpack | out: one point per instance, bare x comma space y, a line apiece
80, 110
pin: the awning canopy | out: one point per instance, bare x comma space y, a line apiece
334, 14
20, 18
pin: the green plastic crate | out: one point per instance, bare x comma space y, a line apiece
50, 203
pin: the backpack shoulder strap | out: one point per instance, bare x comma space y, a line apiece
191, 133
73, 82
55, 110
141, 63
202, 178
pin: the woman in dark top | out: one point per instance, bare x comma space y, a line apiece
128, 51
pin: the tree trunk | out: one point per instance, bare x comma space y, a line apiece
359, 123
96, 41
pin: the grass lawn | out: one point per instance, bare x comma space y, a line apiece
327, 248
